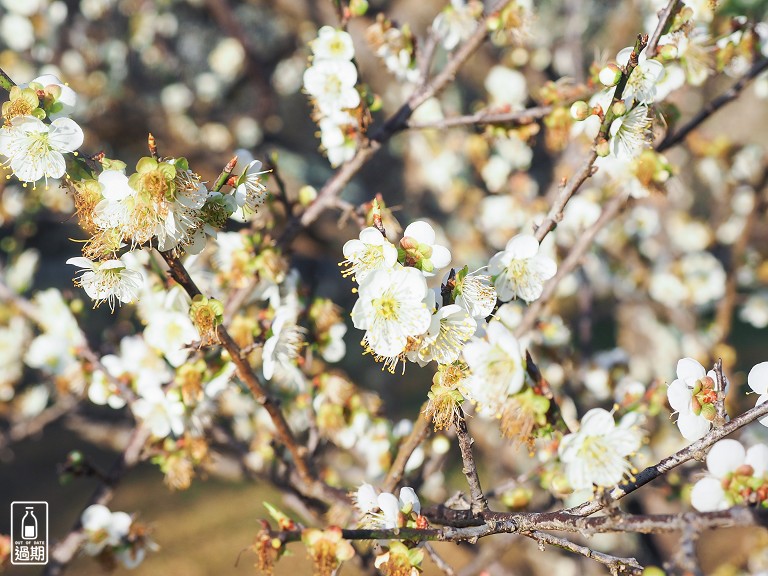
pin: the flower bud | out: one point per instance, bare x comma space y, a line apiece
408, 243
708, 411
307, 195
744, 470
603, 148
610, 75
580, 110
619, 108
668, 52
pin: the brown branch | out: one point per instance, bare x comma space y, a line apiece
29, 427
673, 139
555, 214
394, 124
665, 16
418, 434
484, 117
64, 551
309, 484
479, 502
616, 564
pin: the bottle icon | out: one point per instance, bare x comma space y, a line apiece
29, 524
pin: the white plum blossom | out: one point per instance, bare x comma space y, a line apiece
250, 192
450, 328
108, 281
171, 332
335, 349
597, 453
103, 391
757, 379
641, 85
755, 310
519, 270
284, 345
476, 294
332, 84
35, 149
421, 249
332, 44
338, 136
391, 309
497, 368
456, 22
383, 510
629, 133
66, 100
102, 528
162, 412
692, 396
731, 470
372, 251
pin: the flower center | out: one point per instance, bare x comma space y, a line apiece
386, 307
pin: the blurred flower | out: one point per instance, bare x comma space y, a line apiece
457, 22
755, 310
103, 528
163, 412
332, 84
630, 133
332, 44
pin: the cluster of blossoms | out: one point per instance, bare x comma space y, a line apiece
330, 81
114, 537
404, 320
396, 48
736, 477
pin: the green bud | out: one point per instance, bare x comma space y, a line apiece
358, 7
603, 148
580, 110
708, 411
619, 108
307, 195
610, 75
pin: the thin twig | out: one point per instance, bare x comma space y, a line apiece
532, 313
64, 551
439, 561
484, 117
665, 16
418, 434
469, 468
310, 485
672, 139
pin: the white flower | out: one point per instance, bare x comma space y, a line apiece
641, 85
332, 83
506, 87
597, 453
171, 333
283, 346
391, 308
476, 294
371, 252
692, 396
755, 310
337, 136
103, 528
250, 192
497, 368
35, 149
451, 327
114, 211
519, 270
456, 22
102, 391
335, 348
108, 281
629, 133
383, 510
419, 243
757, 379
332, 44
67, 97
728, 463
162, 412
